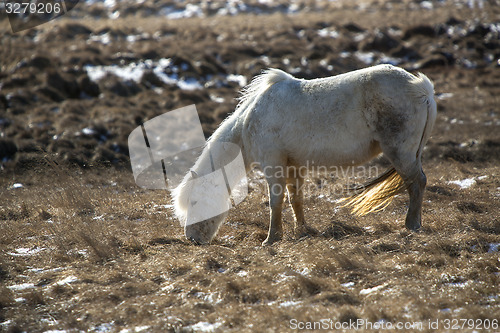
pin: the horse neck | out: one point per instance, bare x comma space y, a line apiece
228, 131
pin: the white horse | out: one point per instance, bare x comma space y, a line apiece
284, 123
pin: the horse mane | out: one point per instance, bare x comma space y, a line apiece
261, 83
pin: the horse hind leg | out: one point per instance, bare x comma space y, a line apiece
295, 188
416, 188
409, 168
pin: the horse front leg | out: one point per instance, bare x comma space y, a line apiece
276, 195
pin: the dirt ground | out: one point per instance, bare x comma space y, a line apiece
83, 248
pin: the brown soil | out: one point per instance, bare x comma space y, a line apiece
102, 254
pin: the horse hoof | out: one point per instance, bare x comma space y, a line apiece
196, 242
269, 241
413, 227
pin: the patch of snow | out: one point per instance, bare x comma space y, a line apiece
492, 298
265, 59
82, 252
135, 70
372, 290
389, 60
494, 247
189, 84
109, 3
454, 280
464, 183
22, 286
328, 33
427, 5
104, 327
242, 273
366, 57
67, 280
88, 131
190, 10
458, 284
135, 329
283, 277
240, 79
24, 251
16, 185
131, 72
345, 54
360, 36
104, 39
49, 321
467, 63
39, 270
217, 99
348, 284
324, 63
204, 326
293, 8
444, 96
321, 196
168, 287
114, 15
208, 297
289, 303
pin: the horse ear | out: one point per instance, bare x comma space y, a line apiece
194, 175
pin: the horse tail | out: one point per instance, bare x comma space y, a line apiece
376, 194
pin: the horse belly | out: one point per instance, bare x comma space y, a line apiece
340, 150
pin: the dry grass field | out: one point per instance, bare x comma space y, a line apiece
83, 248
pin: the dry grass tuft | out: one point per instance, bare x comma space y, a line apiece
338, 230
